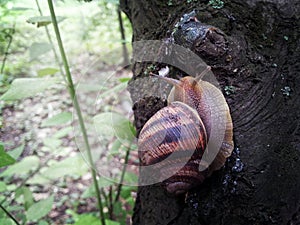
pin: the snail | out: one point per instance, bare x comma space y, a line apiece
190, 138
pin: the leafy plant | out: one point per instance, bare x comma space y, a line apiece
6, 159
216, 4
41, 168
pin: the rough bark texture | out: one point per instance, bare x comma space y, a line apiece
260, 183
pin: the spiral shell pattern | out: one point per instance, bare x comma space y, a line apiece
173, 141
186, 141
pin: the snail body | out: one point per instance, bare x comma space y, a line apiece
190, 138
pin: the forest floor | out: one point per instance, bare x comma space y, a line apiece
23, 125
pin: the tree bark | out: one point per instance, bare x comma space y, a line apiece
260, 182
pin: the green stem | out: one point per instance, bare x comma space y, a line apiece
77, 107
123, 174
110, 205
10, 36
9, 215
122, 30
105, 196
51, 42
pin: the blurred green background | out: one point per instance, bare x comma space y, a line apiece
43, 177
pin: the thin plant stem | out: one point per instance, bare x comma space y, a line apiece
51, 42
77, 108
110, 205
105, 196
9, 215
10, 36
119, 188
122, 30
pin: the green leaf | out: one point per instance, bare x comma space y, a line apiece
5, 159
40, 209
130, 178
11, 187
43, 222
115, 89
70, 166
117, 208
119, 212
23, 167
52, 143
47, 71
124, 79
28, 197
20, 8
110, 222
58, 119
16, 152
113, 124
88, 219
6, 221
102, 183
39, 48
126, 191
63, 132
115, 148
130, 201
38, 179
116, 2
43, 20
2, 186
27, 87
73, 214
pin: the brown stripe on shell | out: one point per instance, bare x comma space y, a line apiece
185, 178
170, 137
179, 119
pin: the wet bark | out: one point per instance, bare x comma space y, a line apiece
259, 73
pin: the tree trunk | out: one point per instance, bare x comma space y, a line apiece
259, 70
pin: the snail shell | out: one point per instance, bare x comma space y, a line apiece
190, 138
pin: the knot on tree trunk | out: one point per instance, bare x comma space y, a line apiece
217, 49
